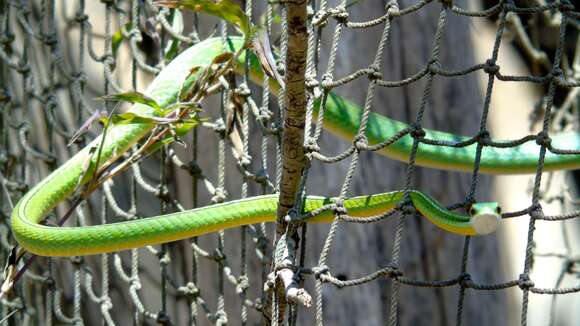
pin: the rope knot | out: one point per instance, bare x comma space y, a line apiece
135, 34
447, 3
557, 72
24, 127
326, 81
275, 129
394, 271
7, 38
50, 40
291, 215
311, 81
537, 213
219, 195
483, 137
543, 139
245, 160
189, 290
243, 90
284, 264
49, 282
490, 67
80, 77
340, 14
51, 101
106, 303
465, 280
406, 207
132, 216
320, 19
339, 208
375, 73
360, 142
261, 176
108, 60
81, 18
265, 115
281, 68
524, 282
194, 169
219, 126
434, 67
163, 193
392, 8
76, 260
221, 318
162, 318
164, 258
417, 131
470, 200
243, 284
219, 256
311, 145
24, 68
319, 270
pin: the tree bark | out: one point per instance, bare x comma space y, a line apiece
293, 158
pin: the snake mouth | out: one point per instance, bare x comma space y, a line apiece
485, 223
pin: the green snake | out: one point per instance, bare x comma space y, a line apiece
341, 117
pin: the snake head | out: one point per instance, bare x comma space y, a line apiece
485, 217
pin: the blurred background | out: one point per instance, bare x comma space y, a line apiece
56, 57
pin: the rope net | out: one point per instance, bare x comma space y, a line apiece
56, 56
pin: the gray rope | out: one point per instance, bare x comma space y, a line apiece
46, 77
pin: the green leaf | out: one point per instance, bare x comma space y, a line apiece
127, 118
96, 116
130, 118
158, 145
132, 97
222, 58
225, 9
117, 38
89, 167
172, 48
193, 107
181, 129
263, 50
204, 76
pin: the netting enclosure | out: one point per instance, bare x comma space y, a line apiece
409, 60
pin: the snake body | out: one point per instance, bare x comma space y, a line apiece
340, 117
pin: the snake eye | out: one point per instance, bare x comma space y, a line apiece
472, 211
498, 210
